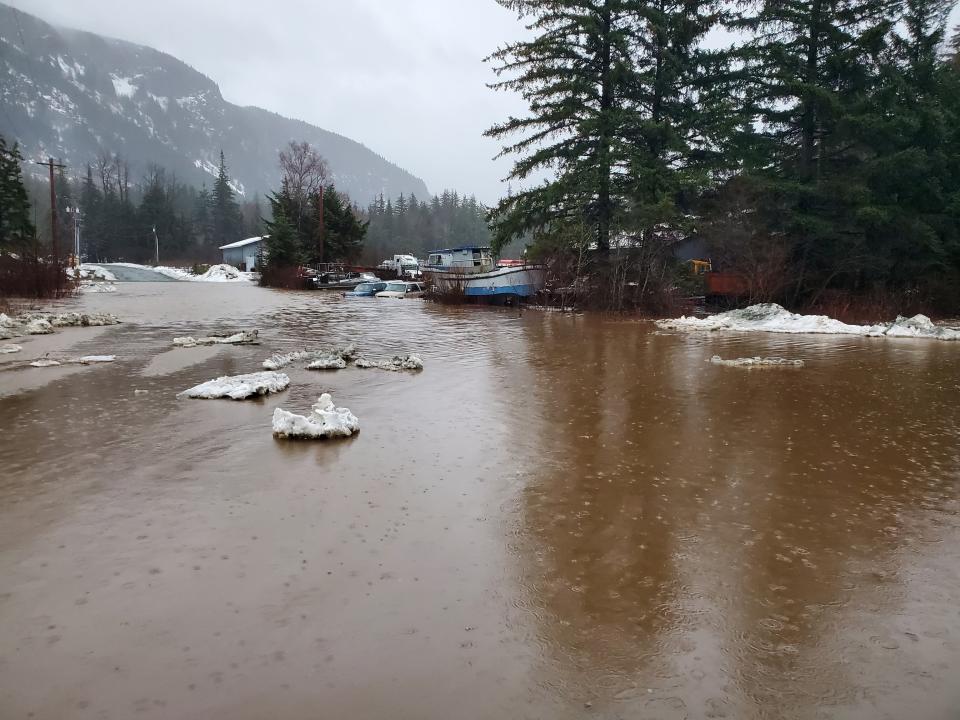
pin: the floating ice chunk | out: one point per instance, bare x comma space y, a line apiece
8, 322
754, 362
91, 359
324, 421
328, 362
244, 337
7, 349
398, 362
332, 359
44, 363
38, 326
239, 387
280, 361
770, 317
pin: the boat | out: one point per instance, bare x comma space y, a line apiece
341, 280
473, 271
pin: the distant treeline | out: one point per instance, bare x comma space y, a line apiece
118, 215
409, 225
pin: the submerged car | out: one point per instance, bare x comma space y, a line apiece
366, 289
400, 289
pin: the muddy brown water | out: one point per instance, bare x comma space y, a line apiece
560, 517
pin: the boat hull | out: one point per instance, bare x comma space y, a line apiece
509, 281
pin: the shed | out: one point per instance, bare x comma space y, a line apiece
243, 254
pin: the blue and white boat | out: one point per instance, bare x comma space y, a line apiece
474, 271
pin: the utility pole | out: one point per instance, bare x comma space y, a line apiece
320, 240
156, 242
53, 210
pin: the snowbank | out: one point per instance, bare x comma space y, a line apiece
244, 337
770, 317
330, 359
324, 421
216, 273
239, 387
7, 349
752, 362
398, 362
93, 272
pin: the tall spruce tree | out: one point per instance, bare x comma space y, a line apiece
226, 223
809, 69
16, 229
622, 112
575, 76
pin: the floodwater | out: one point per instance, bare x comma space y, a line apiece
560, 517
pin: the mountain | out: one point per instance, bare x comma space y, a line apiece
73, 95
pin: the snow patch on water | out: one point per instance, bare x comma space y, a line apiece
7, 349
239, 387
770, 317
324, 421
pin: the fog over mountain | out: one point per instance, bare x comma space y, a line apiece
73, 95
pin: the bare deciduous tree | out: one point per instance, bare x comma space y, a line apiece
304, 169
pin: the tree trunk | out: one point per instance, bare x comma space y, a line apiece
604, 206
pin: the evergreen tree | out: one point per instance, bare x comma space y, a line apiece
281, 248
619, 108
16, 229
809, 69
226, 224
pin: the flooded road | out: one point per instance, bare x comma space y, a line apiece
560, 517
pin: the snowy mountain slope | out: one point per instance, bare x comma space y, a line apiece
73, 94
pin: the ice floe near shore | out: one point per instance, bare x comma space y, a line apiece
328, 362
770, 317
244, 337
239, 387
7, 349
324, 421
755, 362
397, 363
45, 323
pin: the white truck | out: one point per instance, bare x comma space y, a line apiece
403, 265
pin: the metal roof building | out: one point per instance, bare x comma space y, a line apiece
243, 254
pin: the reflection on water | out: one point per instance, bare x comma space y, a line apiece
561, 516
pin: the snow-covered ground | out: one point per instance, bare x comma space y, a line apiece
239, 387
324, 421
243, 337
770, 317
754, 362
398, 362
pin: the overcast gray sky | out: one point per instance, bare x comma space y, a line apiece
404, 78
